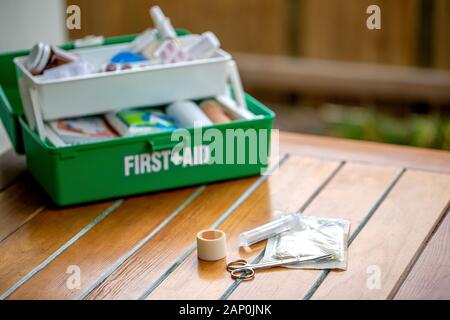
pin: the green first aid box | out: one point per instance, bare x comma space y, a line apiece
127, 166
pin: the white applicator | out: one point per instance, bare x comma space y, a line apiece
162, 23
187, 114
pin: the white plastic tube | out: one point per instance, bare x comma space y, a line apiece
204, 48
162, 23
187, 114
267, 231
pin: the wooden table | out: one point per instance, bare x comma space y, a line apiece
143, 247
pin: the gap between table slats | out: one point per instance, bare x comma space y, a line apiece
19, 203
351, 195
355, 233
154, 260
293, 185
382, 255
39, 242
107, 242
429, 278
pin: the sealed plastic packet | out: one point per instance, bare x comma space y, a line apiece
81, 130
133, 122
312, 236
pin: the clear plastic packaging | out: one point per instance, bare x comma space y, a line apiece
73, 69
144, 40
312, 236
80, 130
133, 122
268, 230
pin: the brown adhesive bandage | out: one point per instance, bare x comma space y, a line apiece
215, 112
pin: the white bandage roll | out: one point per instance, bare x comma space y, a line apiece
187, 114
211, 245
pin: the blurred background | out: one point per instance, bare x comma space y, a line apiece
314, 62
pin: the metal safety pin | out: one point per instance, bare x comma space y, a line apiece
242, 270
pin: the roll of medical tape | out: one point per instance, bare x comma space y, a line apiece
211, 245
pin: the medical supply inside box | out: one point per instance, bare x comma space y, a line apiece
135, 125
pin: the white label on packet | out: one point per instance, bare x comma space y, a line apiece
145, 163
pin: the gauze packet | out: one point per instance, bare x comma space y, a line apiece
311, 236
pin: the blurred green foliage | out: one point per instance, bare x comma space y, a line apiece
428, 131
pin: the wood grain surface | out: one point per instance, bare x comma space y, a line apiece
364, 151
139, 272
406, 238
251, 25
36, 240
341, 32
103, 245
381, 256
350, 195
19, 203
429, 279
441, 28
11, 166
330, 78
288, 189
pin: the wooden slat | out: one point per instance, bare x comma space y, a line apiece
441, 28
147, 265
11, 166
336, 29
391, 240
103, 245
343, 79
19, 203
22, 251
370, 152
429, 278
236, 23
350, 195
288, 189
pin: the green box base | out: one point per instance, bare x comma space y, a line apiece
92, 172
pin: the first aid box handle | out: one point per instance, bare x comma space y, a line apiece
155, 146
